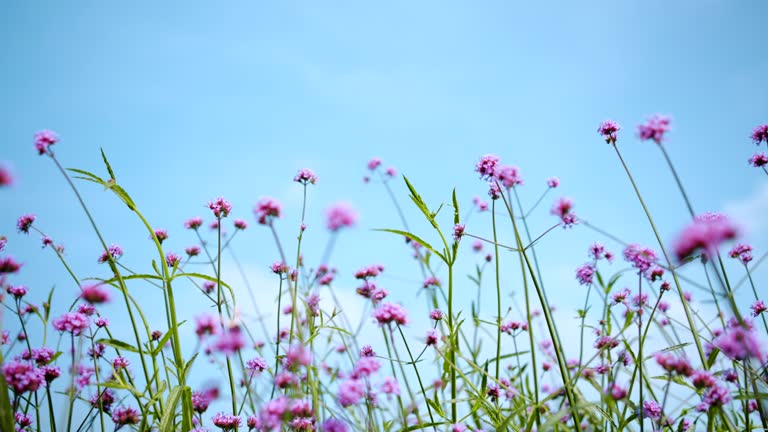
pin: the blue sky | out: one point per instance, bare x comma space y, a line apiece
192, 100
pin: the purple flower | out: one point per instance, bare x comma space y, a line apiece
230, 342
739, 343
125, 416
45, 139
487, 166
651, 409
23, 420
350, 392
266, 210
563, 209
192, 250
220, 207
509, 176
17, 291
390, 312
374, 163
226, 421
94, 293
390, 386
22, 376
24, 223
161, 235
256, 365
705, 233
334, 425
9, 265
760, 134
305, 176
114, 251
171, 259
72, 322
617, 392
641, 257
120, 363
458, 231
553, 182
193, 223
340, 215
743, 252
240, 224
758, 160
585, 274
608, 129
431, 338
654, 128
296, 357
367, 351
6, 178
758, 308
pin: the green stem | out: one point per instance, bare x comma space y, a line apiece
498, 291
418, 376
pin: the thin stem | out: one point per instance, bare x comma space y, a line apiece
418, 376
498, 291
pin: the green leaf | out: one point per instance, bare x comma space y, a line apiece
414, 238
455, 208
88, 175
115, 343
186, 410
109, 168
169, 413
7, 420
123, 195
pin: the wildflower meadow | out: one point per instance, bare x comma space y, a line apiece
308, 365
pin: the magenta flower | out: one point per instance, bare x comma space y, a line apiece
24, 223
641, 258
369, 272
458, 231
45, 139
220, 207
654, 128
22, 376
114, 251
230, 342
94, 293
17, 291
431, 338
509, 176
256, 365
758, 160
651, 409
585, 274
563, 209
340, 215
334, 425
192, 250
351, 392
739, 343
6, 178
367, 351
705, 233
9, 265
743, 252
390, 386
120, 363
206, 325
758, 307
391, 172
72, 322
608, 129
103, 401
374, 163
226, 422
390, 312
161, 235
431, 281
760, 134
296, 357
125, 416
193, 223
171, 259
617, 392
305, 177
487, 166
240, 224
23, 421
553, 182
266, 210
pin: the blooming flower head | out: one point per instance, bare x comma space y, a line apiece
553, 182
220, 207
350, 392
608, 129
651, 409
390, 312
206, 325
171, 259
585, 274
240, 224
120, 363
161, 235
760, 134
487, 166
114, 251
9, 265
192, 251
24, 223
758, 160
374, 163
740, 343
458, 231
193, 223
641, 257
94, 293
509, 176
71, 322
230, 342
334, 425
6, 178
125, 416
390, 386
743, 252
563, 209
705, 233
391, 172
45, 139
266, 210
226, 422
340, 215
758, 307
22, 376
305, 176
17, 291
654, 128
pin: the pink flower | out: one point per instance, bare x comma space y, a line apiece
608, 129
509, 176
553, 182
266, 210
340, 215
739, 343
125, 416
72, 322
585, 274
705, 233
487, 166
390, 312
240, 224
6, 178
206, 324
94, 293
120, 363
391, 171
758, 160
22, 376
114, 251
45, 139
563, 209
743, 252
230, 342
760, 134
226, 421
365, 367
171, 259
305, 176
374, 163
161, 235
220, 207
192, 251
458, 231
9, 265
758, 308
351, 392
651, 409
193, 223
617, 392
17, 291
390, 386
431, 337
334, 425
369, 272
654, 128
24, 223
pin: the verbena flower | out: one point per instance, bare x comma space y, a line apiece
71, 322
240, 224
509, 176
340, 215
553, 182
758, 160
390, 312
6, 178
193, 223
608, 129
760, 134
563, 208
705, 234
266, 210
22, 376
220, 207
305, 176
487, 166
94, 293
585, 274
654, 128
350, 392
114, 251
45, 139
25, 222
226, 422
